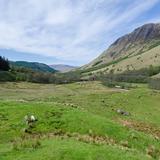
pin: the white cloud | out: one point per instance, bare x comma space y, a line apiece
65, 29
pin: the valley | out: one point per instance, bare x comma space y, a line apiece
107, 109
80, 80
79, 121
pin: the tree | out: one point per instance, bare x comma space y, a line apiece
4, 64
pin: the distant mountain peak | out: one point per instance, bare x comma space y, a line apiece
141, 34
63, 67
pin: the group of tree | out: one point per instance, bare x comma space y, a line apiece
4, 64
136, 76
56, 78
29, 75
139, 76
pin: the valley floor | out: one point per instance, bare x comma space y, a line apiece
79, 121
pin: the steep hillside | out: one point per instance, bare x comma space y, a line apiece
62, 67
138, 49
33, 65
136, 62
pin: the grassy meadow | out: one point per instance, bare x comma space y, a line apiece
79, 121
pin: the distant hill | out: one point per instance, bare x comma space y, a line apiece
34, 66
133, 51
62, 67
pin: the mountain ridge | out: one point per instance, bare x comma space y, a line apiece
139, 41
62, 67
36, 66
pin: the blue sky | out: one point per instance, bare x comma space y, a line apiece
68, 31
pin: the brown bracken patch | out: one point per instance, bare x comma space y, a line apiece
143, 127
86, 138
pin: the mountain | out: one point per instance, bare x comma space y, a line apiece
133, 51
62, 67
34, 66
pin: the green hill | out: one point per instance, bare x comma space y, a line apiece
33, 65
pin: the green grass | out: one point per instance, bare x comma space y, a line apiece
98, 66
70, 149
78, 121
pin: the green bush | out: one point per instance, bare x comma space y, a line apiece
7, 76
154, 83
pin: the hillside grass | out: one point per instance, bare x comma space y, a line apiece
129, 63
79, 121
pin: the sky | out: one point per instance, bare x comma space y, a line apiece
70, 32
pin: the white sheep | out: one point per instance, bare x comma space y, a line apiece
29, 119
32, 118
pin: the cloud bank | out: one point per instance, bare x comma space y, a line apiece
69, 30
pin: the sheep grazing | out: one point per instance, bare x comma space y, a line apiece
30, 122
30, 119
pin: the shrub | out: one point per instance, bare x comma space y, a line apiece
7, 76
154, 83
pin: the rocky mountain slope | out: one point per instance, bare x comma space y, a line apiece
135, 50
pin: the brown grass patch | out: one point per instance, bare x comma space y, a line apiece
143, 127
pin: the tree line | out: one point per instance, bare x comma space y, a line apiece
11, 73
4, 64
